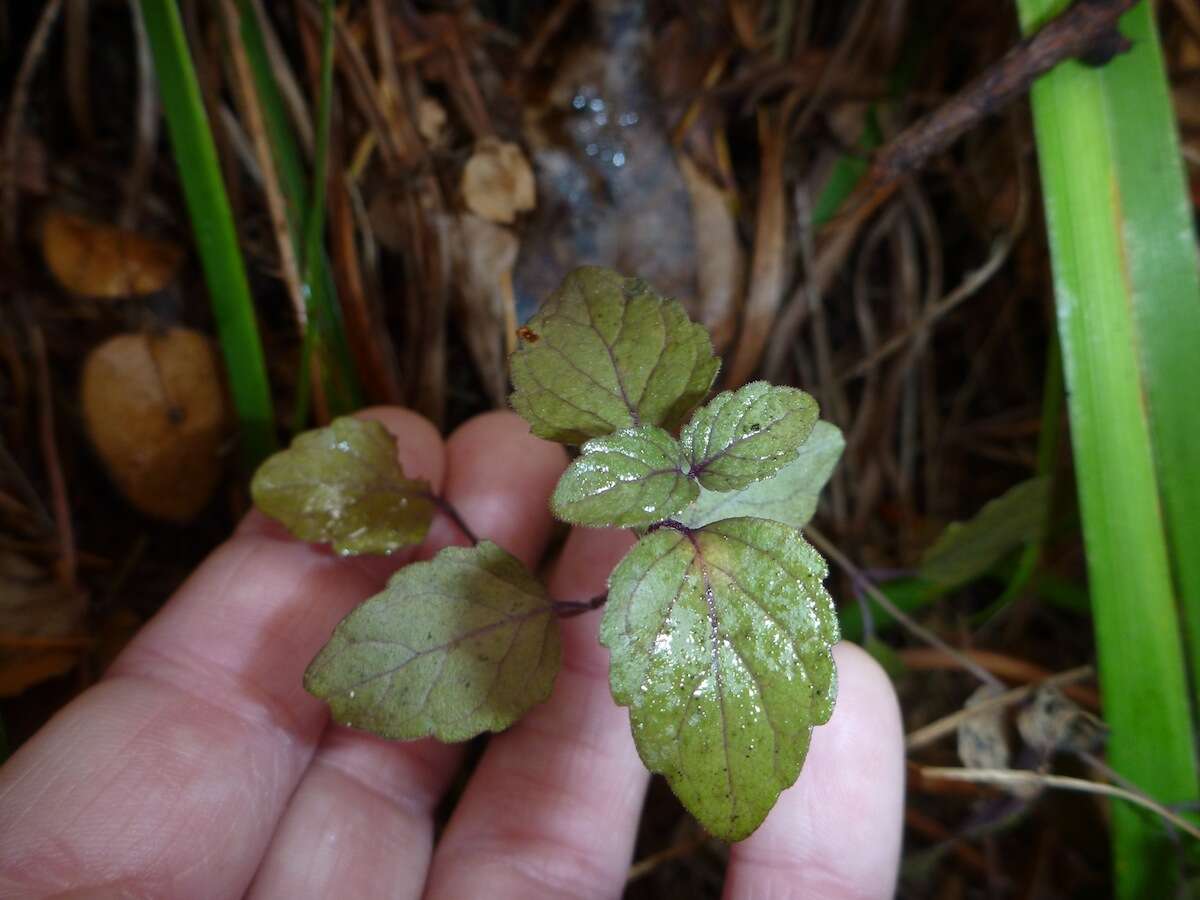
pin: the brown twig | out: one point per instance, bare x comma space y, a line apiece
1077, 32
1024, 778
823, 544
146, 142
769, 264
289, 88
18, 100
252, 116
58, 484
949, 724
566, 609
999, 664
685, 847
550, 26
77, 52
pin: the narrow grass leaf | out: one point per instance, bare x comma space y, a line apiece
212, 227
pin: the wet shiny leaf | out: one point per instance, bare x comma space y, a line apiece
343, 485
743, 436
789, 496
453, 647
720, 643
605, 353
633, 477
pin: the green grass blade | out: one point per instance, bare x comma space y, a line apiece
341, 384
306, 219
1138, 636
288, 160
1165, 283
212, 228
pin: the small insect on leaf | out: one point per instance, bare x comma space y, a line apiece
343, 485
636, 476
527, 334
721, 648
743, 436
453, 647
610, 353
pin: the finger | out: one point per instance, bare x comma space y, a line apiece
553, 807
188, 750
835, 834
360, 824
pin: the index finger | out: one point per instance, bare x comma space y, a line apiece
190, 747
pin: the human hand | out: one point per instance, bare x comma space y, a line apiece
199, 767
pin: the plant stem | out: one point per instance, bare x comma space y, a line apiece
454, 516
566, 609
823, 544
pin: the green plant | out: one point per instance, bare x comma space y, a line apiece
212, 225
1126, 289
719, 628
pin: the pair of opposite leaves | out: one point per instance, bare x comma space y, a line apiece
718, 625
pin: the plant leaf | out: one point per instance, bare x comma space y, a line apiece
720, 641
789, 496
343, 485
743, 436
453, 647
633, 477
967, 550
606, 352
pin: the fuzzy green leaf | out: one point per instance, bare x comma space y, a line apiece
633, 477
606, 352
720, 641
343, 485
789, 496
453, 647
967, 550
746, 435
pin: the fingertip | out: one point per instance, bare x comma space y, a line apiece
419, 449
836, 832
588, 558
499, 478
419, 445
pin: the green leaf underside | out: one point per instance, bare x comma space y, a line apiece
746, 435
453, 647
789, 496
633, 477
966, 551
720, 643
606, 352
343, 485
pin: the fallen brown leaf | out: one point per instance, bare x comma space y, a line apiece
34, 606
155, 410
483, 258
720, 262
497, 182
92, 259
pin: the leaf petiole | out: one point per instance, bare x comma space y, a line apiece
453, 515
567, 609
